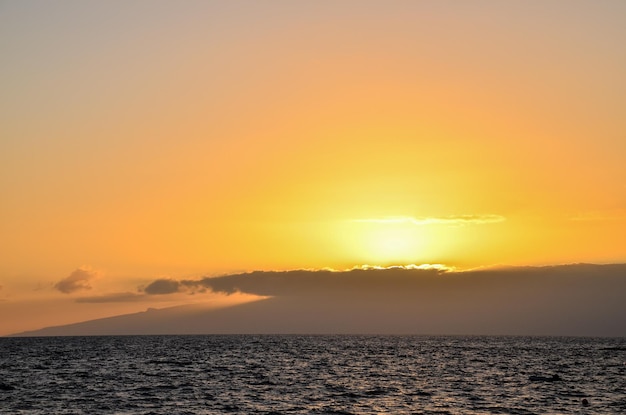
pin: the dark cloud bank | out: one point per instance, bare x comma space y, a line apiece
581, 299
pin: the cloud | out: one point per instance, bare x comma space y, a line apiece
163, 286
439, 267
392, 282
77, 280
598, 216
112, 298
303, 283
455, 220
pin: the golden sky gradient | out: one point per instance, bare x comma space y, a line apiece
159, 139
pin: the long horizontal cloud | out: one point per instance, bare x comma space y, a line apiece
405, 282
112, 298
298, 282
456, 220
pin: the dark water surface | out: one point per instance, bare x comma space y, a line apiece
311, 375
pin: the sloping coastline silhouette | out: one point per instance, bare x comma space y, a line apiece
579, 299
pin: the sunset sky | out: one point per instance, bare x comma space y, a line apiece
158, 140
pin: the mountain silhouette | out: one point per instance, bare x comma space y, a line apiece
581, 299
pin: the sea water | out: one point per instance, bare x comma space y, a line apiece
285, 374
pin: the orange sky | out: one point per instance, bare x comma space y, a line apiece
175, 139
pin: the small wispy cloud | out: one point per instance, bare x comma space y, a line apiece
78, 280
112, 298
597, 216
454, 220
163, 286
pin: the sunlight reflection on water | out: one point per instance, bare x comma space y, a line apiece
311, 375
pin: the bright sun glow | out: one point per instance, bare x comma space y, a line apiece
385, 243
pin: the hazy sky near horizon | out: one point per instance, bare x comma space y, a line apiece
157, 139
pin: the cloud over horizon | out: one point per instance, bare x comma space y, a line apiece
403, 281
296, 282
78, 280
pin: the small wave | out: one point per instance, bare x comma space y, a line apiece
6, 387
170, 362
332, 412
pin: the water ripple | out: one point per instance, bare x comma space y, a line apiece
311, 375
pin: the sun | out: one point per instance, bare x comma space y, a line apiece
388, 243
391, 244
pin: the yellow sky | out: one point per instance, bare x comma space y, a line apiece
152, 139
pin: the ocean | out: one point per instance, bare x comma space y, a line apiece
293, 374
